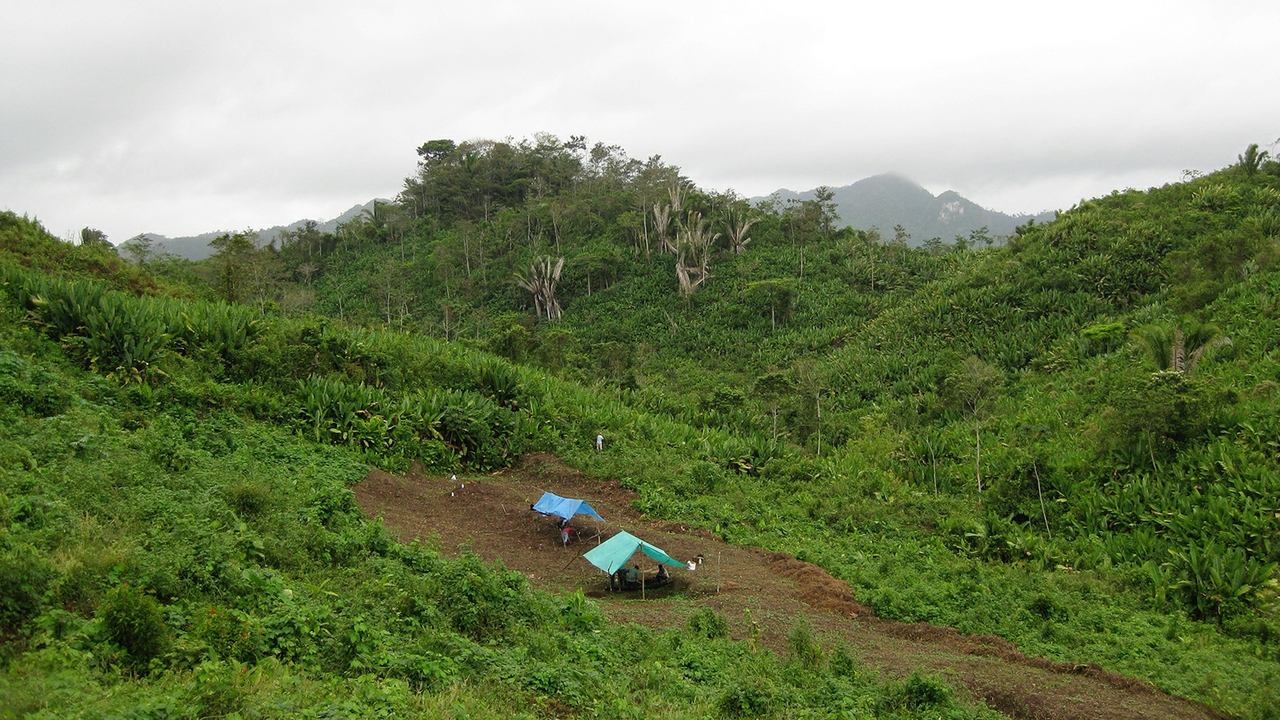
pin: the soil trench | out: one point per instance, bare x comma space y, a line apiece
491, 516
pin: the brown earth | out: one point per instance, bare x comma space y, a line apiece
490, 515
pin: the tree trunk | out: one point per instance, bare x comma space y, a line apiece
644, 216
1043, 512
977, 457
817, 398
933, 463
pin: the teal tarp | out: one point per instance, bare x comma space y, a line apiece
613, 554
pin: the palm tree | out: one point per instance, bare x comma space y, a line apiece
661, 219
737, 225
1180, 348
1251, 160
541, 284
693, 254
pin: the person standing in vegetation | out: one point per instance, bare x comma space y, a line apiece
599, 441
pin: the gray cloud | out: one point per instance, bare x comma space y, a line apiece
184, 117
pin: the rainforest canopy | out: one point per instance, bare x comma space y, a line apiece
552, 504
613, 554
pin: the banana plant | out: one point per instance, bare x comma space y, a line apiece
1215, 580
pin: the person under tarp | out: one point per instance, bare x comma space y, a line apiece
564, 508
612, 555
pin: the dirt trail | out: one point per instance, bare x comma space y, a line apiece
491, 516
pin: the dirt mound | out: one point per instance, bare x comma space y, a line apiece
756, 591
817, 588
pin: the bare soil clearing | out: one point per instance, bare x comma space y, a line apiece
490, 516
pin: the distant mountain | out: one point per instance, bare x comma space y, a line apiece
884, 201
196, 247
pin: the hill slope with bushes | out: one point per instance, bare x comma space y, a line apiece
178, 538
1068, 440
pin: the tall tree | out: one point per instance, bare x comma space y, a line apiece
139, 249
778, 293
772, 388
233, 252
969, 387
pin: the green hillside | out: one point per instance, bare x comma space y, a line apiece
179, 539
1069, 440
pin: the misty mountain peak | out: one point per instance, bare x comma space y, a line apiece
889, 199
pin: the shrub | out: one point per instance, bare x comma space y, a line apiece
84, 580
34, 389
229, 634
1045, 607
580, 614
750, 698
843, 663
804, 649
213, 688
1101, 338
706, 622
917, 692
248, 499
134, 621
23, 581
1157, 416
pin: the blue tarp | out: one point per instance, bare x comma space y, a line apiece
552, 504
614, 553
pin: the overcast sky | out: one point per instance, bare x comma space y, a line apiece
185, 117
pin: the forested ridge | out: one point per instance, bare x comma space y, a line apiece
1067, 438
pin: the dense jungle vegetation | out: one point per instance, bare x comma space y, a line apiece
1067, 437
179, 539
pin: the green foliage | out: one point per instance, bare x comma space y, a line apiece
25, 242
705, 622
30, 388
233, 253
917, 692
1252, 159
248, 499
754, 698
1102, 337
1217, 581
1129, 518
1162, 413
804, 649
134, 621
25, 577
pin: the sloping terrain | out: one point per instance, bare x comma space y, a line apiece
762, 594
